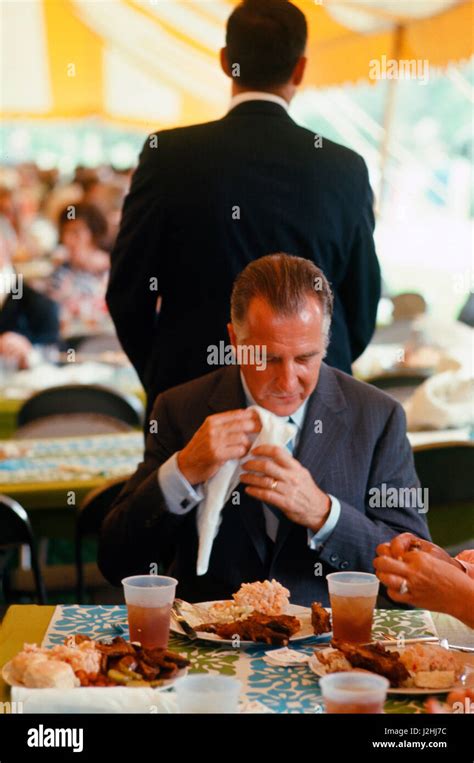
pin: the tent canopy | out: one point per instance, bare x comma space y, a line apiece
153, 63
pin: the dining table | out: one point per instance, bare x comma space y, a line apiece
50, 477
265, 687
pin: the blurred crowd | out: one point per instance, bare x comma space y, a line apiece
56, 236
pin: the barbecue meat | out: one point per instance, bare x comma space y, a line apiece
268, 629
320, 618
376, 658
118, 647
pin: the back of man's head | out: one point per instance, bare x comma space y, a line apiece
265, 39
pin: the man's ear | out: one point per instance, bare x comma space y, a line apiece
298, 71
232, 337
225, 62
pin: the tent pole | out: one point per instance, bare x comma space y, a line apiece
389, 111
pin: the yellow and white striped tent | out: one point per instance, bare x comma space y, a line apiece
153, 63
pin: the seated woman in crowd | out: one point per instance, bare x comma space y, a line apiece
27, 318
418, 572
80, 283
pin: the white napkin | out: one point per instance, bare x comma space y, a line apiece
441, 402
94, 699
108, 699
217, 490
285, 658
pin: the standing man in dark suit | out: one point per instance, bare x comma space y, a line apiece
208, 199
346, 484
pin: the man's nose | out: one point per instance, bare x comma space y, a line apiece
287, 378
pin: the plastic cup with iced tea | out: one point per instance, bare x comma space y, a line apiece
353, 596
149, 599
354, 692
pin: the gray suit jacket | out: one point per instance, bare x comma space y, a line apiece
362, 445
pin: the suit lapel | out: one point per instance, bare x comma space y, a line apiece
316, 448
228, 393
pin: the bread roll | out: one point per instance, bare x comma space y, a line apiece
50, 674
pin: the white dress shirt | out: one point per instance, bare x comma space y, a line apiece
257, 95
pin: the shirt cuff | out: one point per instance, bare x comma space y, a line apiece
180, 496
316, 540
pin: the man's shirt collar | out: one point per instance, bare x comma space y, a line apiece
256, 95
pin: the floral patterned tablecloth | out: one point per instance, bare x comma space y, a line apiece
281, 690
58, 459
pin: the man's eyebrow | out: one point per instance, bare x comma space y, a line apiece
311, 354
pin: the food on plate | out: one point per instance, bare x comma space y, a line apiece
134, 665
436, 679
83, 662
376, 659
50, 674
28, 668
269, 629
428, 657
432, 666
226, 612
268, 597
320, 618
423, 666
332, 660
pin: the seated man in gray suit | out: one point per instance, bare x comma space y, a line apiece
298, 515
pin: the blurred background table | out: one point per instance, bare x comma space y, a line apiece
50, 477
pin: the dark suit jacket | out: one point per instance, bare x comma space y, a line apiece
363, 444
177, 226
35, 316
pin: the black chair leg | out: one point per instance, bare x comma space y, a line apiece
40, 589
80, 591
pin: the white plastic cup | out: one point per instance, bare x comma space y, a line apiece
354, 692
353, 596
353, 584
149, 599
149, 590
203, 693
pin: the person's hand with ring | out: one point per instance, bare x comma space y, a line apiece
421, 579
273, 476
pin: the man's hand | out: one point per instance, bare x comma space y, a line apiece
220, 438
295, 491
405, 542
17, 347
